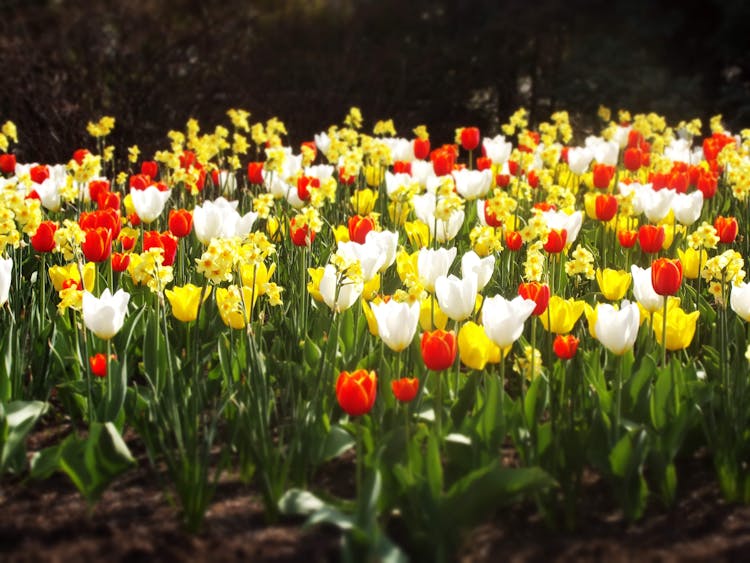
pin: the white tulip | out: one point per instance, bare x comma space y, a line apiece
105, 315
433, 263
617, 330
503, 320
387, 244
457, 297
483, 268
687, 207
579, 159
339, 296
497, 149
739, 300
149, 203
471, 184
397, 322
6, 267
643, 290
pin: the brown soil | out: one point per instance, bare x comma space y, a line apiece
50, 521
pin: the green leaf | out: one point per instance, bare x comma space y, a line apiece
434, 467
298, 502
16, 421
312, 353
94, 461
337, 442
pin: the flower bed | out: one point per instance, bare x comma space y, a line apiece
481, 323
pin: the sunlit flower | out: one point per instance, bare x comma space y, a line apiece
105, 315
613, 284
617, 329
397, 322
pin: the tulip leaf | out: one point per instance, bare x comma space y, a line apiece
433, 467
298, 502
16, 421
337, 442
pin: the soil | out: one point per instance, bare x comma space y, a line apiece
50, 521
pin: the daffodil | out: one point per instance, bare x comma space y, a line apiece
561, 314
60, 274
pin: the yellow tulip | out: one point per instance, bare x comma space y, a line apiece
561, 314
128, 203
418, 233
185, 300
398, 212
341, 233
680, 327
232, 305
691, 259
613, 283
372, 322
60, 274
406, 264
256, 275
474, 346
373, 175
363, 201
313, 286
591, 316
589, 202
371, 288
428, 307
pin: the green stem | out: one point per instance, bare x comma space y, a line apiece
664, 334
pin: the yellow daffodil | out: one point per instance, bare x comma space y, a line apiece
232, 304
680, 327
561, 314
613, 283
185, 301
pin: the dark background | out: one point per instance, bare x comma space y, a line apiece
153, 64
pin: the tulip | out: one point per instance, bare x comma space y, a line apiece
482, 268
602, 175
739, 300
560, 220
562, 314
605, 207
497, 149
438, 349
692, 262
565, 347
44, 238
105, 315
433, 263
651, 238
342, 297
726, 229
627, 239
513, 240
613, 283
503, 320
475, 348
666, 276
470, 138
617, 329
457, 298
579, 159
687, 207
356, 391
680, 327
6, 267
98, 244
120, 261
359, 227
185, 301
556, 241
472, 184
301, 234
180, 222
363, 201
643, 290
656, 203
58, 275
431, 316
7, 163
397, 322
405, 389
219, 218
421, 148
536, 292
98, 364
632, 158
234, 307
149, 203
166, 241
387, 244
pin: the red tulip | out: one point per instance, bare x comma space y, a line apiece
109, 200
556, 240
180, 222
666, 276
513, 240
312, 146
633, 158
7, 163
80, 155
483, 163
565, 347
302, 235
359, 227
537, 292
470, 138
98, 363
356, 391
98, 244
166, 241
421, 148
150, 168
438, 349
44, 238
405, 389
627, 238
140, 181
39, 173
304, 183
726, 228
401, 167
120, 261
603, 175
489, 217
606, 207
651, 238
